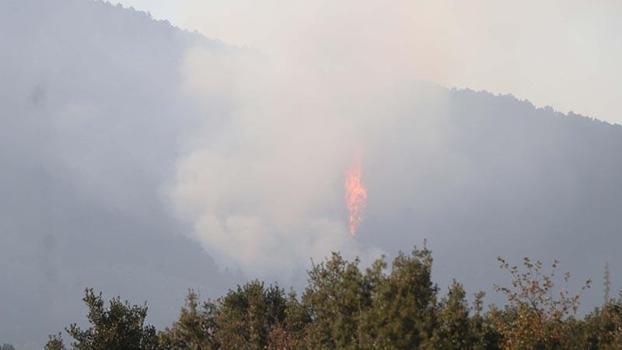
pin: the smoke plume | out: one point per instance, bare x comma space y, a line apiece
317, 83
263, 180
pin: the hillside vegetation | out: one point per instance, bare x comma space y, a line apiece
382, 307
94, 119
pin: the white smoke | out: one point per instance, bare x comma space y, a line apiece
561, 53
323, 82
264, 188
263, 182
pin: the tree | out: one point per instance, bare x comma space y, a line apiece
485, 336
403, 313
603, 326
195, 328
535, 318
380, 308
290, 333
55, 342
453, 329
246, 316
336, 298
120, 326
6, 346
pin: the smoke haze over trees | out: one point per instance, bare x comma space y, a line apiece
142, 160
382, 307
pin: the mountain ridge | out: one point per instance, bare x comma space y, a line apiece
93, 123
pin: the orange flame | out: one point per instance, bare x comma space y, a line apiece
356, 196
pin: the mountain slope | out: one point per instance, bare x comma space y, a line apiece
90, 123
514, 181
93, 120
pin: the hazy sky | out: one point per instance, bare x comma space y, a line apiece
553, 52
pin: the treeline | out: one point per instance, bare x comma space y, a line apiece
346, 307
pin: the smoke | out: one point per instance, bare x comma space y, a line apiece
561, 53
319, 82
263, 180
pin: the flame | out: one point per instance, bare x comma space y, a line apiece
356, 196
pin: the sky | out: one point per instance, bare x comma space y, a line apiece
559, 53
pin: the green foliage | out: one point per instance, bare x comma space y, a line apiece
485, 335
245, 317
453, 329
538, 313
603, 327
382, 307
403, 313
55, 342
290, 333
336, 297
195, 328
120, 326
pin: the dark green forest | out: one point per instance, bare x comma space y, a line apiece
384, 306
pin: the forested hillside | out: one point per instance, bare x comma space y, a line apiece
90, 118
95, 116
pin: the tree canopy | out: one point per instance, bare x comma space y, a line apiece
385, 306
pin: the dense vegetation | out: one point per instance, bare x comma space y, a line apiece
346, 307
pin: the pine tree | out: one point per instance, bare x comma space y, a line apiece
195, 328
453, 329
55, 342
336, 298
120, 326
290, 334
246, 316
403, 314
